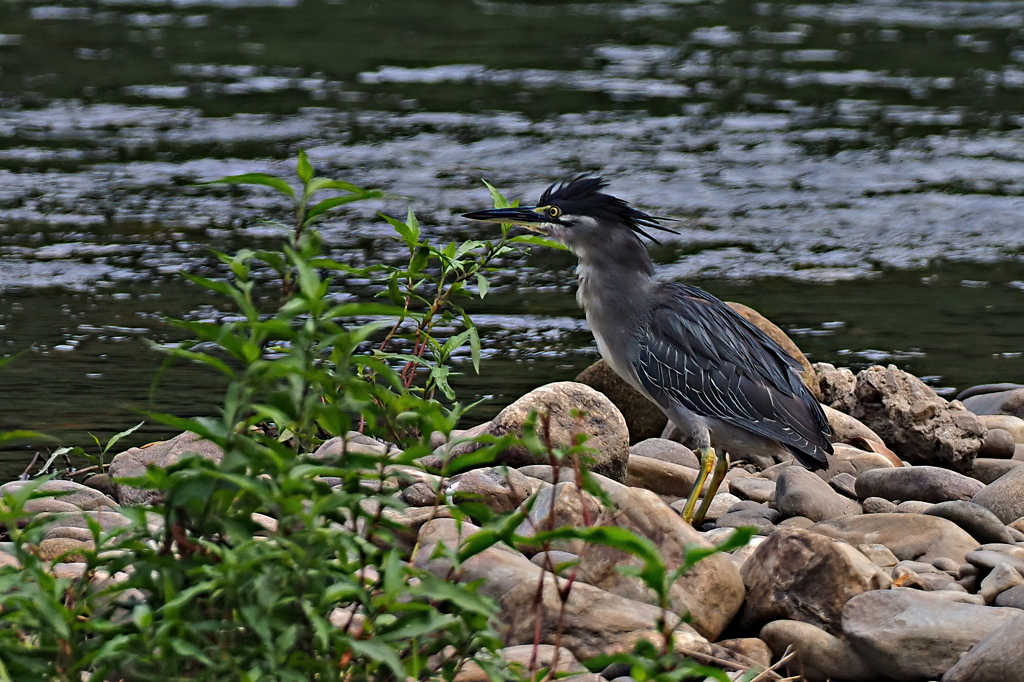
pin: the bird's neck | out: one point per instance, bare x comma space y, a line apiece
615, 290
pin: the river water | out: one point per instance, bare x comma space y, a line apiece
853, 171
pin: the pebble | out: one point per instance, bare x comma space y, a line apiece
877, 505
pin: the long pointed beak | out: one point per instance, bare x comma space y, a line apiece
522, 215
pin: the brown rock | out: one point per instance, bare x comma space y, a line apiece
997, 658
998, 443
908, 536
919, 425
556, 659
602, 423
846, 429
664, 478
836, 385
799, 492
501, 567
922, 483
589, 622
132, 463
558, 506
500, 488
801, 575
643, 418
780, 337
1004, 496
711, 593
65, 549
820, 657
666, 451
987, 470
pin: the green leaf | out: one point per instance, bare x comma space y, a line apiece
380, 652
118, 436
334, 202
256, 179
304, 169
497, 197
482, 284
406, 232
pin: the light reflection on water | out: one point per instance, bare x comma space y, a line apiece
852, 170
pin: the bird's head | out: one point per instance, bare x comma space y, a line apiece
576, 213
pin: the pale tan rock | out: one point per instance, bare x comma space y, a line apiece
711, 593
663, 478
132, 463
1014, 425
64, 492
908, 536
590, 622
64, 548
643, 418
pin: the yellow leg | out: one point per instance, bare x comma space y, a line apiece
707, 461
721, 466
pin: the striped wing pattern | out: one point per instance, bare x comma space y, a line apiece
714, 362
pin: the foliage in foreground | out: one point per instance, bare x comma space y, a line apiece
272, 564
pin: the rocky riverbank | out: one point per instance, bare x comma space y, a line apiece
903, 560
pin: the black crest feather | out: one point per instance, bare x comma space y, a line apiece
582, 195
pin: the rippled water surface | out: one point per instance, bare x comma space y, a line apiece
854, 171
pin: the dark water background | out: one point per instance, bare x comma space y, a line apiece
853, 171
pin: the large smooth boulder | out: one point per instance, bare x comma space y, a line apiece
63, 493
914, 636
798, 492
800, 575
601, 422
500, 488
132, 463
820, 657
919, 425
711, 592
909, 536
1004, 496
924, 483
997, 658
643, 418
664, 478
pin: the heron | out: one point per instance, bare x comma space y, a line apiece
724, 383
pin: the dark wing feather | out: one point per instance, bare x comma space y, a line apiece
714, 362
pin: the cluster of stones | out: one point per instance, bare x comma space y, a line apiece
902, 560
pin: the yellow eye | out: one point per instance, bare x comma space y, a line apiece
554, 211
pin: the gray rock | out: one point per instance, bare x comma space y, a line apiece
552, 559
982, 524
132, 463
798, 492
64, 493
546, 473
746, 518
913, 420
999, 580
1004, 497
666, 451
908, 536
1009, 402
876, 505
421, 494
999, 657
1004, 422
796, 522
924, 483
988, 559
844, 484
719, 506
1013, 597
643, 418
761, 508
603, 424
753, 488
801, 575
914, 636
820, 657
836, 384
354, 443
981, 389
948, 565
987, 470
